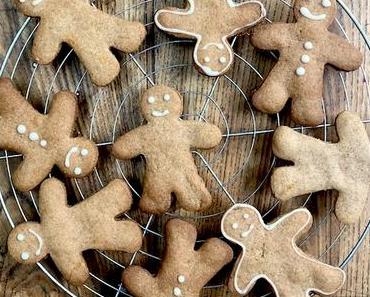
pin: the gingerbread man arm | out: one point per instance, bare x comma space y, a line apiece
130, 145
272, 36
203, 135
247, 14
346, 56
148, 283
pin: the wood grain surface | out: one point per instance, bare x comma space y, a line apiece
241, 163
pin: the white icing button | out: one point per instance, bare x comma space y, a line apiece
244, 234
43, 143
235, 226
245, 216
77, 171
207, 59
151, 99
181, 279
84, 152
300, 71
21, 237
177, 292
326, 3
223, 60
167, 97
308, 45
21, 129
34, 136
25, 256
305, 59
22, 1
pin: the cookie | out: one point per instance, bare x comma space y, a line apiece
65, 232
44, 140
89, 31
183, 271
343, 166
211, 23
305, 48
165, 142
270, 252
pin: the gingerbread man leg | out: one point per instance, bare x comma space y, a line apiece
46, 45
147, 285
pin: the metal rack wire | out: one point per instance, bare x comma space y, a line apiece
218, 184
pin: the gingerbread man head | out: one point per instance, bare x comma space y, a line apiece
315, 11
26, 243
161, 102
31, 7
79, 157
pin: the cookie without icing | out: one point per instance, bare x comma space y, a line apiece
344, 166
65, 232
211, 23
305, 48
89, 31
44, 140
165, 142
270, 252
183, 271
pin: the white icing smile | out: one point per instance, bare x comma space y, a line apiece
36, 2
159, 114
208, 71
220, 46
310, 15
39, 240
75, 150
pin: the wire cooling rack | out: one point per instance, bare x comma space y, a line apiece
224, 101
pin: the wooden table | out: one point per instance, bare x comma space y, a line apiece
243, 165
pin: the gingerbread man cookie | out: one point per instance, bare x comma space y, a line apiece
183, 271
305, 48
44, 140
65, 232
89, 31
270, 252
211, 23
344, 166
165, 142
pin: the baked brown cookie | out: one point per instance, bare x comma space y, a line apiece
165, 142
44, 140
183, 271
305, 48
89, 31
344, 166
65, 232
211, 23
270, 252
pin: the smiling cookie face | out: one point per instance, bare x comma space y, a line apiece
26, 243
30, 7
315, 11
161, 102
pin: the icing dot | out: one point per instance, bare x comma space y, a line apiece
151, 99
223, 60
34, 136
177, 292
305, 59
25, 256
21, 237
300, 71
326, 3
244, 234
235, 226
21, 129
167, 97
207, 59
43, 143
308, 45
77, 171
181, 279
22, 1
84, 152
245, 216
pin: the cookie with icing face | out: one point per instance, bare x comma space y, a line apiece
184, 271
211, 23
319, 166
270, 252
89, 31
166, 141
65, 232
44, 140
305, 48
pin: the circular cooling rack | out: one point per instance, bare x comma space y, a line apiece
236, 171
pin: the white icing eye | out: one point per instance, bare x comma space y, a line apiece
305, 59
84, 152
25, 256
181, 279
245, 216
77, 171
207, 59
21, 237
326, 3
167, 97
151, 99
177, 292
223, 60
308, 45
235, 226
34, 136
43, 143
300, 71
21, 129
